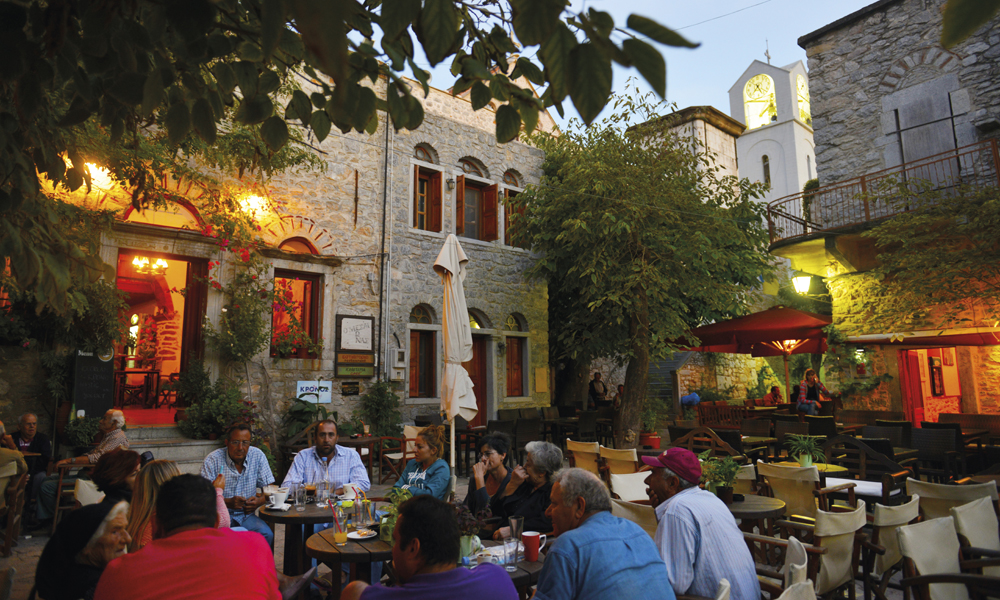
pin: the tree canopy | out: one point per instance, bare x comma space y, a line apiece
81, 75
640, 238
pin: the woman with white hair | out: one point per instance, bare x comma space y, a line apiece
84, 543
527, 493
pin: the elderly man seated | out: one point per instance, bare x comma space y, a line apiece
246, 469
697, 536
86, 540
597, 555
12, 465
114, 438
189, 557
425, 551
27, 439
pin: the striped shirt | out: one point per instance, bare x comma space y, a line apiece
256, 474
111, 441
345, 467
700, 543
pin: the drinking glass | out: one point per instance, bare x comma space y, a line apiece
516, 527
300, 498
510, 554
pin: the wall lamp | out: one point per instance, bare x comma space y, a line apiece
801, 282
451, 184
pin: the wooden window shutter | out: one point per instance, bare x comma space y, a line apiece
460, 205
434, 203
515, 375
490, 215
414, 364
431, 373
416, 193
506, 217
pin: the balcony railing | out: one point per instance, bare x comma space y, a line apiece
883, 193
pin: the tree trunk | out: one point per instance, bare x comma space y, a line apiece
572, 378
626, 422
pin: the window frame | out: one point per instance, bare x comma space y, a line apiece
433, 333
507, 191
433, 172
489, 211
524, 342
314, 327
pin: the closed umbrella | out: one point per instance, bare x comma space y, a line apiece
457, 397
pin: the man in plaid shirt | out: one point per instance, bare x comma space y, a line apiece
246, 470
328, 462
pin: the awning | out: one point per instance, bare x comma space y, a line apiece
968, 336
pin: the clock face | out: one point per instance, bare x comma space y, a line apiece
758, 87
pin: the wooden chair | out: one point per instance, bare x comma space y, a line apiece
756, 427
801, 563
937, 500
876, 476
793, 485
840, 533
734, 437
525, 431
937, 456
979, 530
880, 567
619, 461
12, 510
65, 491
587, 426
584, 455
822, 426
746, 480
932, 558
394, 458
702, 438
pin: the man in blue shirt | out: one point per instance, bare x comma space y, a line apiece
597, 555
328, 462
246, 469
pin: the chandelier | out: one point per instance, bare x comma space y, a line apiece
143, 266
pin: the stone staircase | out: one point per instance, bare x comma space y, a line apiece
166, 442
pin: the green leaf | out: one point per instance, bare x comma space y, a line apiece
250, 51
275, 133
555, 52
303, 108
536, 20
602, 21
473, 69
480, 95
590, 81
367, 102
529, 114
649, 63
178, 122
320, 123
203, 119
128, 89
77, 113
246, 76
963, 17
152, 93
437, 27
531, 71
397, 15
268, 82
324, 33
225, 77
254, 110
272, 23
508, 123
657, 32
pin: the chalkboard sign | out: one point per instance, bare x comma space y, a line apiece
93, 383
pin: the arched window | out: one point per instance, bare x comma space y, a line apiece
805, 113
174, 215
760, 106
511, 179
512, 323
470, 167
809, 167
420, 315
766, 163
298, 245
425, 153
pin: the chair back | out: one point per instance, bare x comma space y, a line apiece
85, 491
835, 531
702, 438
977, 523
733, 437
756, 427
722, 593
783, 429
527, 430
507, 414
824, 426
529, 413
954, 428
937, 499
502, 427
620, 461
640, 514
583, 455
588, 425
933, 547
567, 411
885, 522
793, 485
676, 432
906, 426
630, 487
410, 433
799, 591
796, 569
784, 417
550, 412
746, 480
893, 434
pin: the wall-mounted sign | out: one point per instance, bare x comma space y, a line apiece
354, 354
350, 388
317, 392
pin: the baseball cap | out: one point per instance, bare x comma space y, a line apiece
681, 461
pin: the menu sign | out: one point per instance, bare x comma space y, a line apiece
93, 383
354, 354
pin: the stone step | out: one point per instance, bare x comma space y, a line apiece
177, 449
153, 432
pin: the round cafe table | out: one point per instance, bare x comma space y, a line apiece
361, 552
757, 510
298, 528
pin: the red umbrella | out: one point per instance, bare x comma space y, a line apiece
777, 331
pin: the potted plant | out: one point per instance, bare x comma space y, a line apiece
212, 414
805, 449
395, 496
647, 419
81, 432
719, 473
470, 525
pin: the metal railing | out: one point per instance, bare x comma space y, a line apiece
883, 193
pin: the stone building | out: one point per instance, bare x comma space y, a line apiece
353, 244
889, 102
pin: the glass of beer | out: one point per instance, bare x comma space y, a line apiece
310, 492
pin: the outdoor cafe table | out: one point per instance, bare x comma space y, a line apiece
298, 529
526, 574
362, 442
361, 552
757, 510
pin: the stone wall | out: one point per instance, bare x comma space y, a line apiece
22, 388
729, 373
856, 67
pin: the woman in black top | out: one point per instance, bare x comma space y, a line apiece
527, 494
490, 475
114, 474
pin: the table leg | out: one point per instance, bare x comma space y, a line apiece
335, 570
293, 549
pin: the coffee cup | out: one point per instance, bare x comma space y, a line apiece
278, 496
533, 542
351, 491
485, 557
270, 489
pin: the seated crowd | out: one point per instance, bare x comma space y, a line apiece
155, 523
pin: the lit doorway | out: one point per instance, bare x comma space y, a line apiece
166, 327
929, 383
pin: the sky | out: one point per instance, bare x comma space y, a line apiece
732, 34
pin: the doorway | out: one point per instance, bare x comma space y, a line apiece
929, 383
477, 373
166, 331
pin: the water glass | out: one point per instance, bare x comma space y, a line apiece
510, 554
516, 527
300, 498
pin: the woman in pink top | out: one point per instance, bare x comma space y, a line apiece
143, 507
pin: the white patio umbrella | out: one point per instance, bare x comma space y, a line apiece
457, 397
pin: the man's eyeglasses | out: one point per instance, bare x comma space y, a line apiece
487, 454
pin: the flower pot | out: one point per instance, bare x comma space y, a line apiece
725, 493
650, 439
805, 460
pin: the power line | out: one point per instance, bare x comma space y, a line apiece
721, 16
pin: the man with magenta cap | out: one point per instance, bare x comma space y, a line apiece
696, 534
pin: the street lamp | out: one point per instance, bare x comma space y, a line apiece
801, 283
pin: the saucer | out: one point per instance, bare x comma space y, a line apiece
279, 507
355, 535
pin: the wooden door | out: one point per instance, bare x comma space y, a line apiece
910, 386
477, 373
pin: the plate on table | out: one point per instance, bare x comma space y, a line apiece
363, 534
